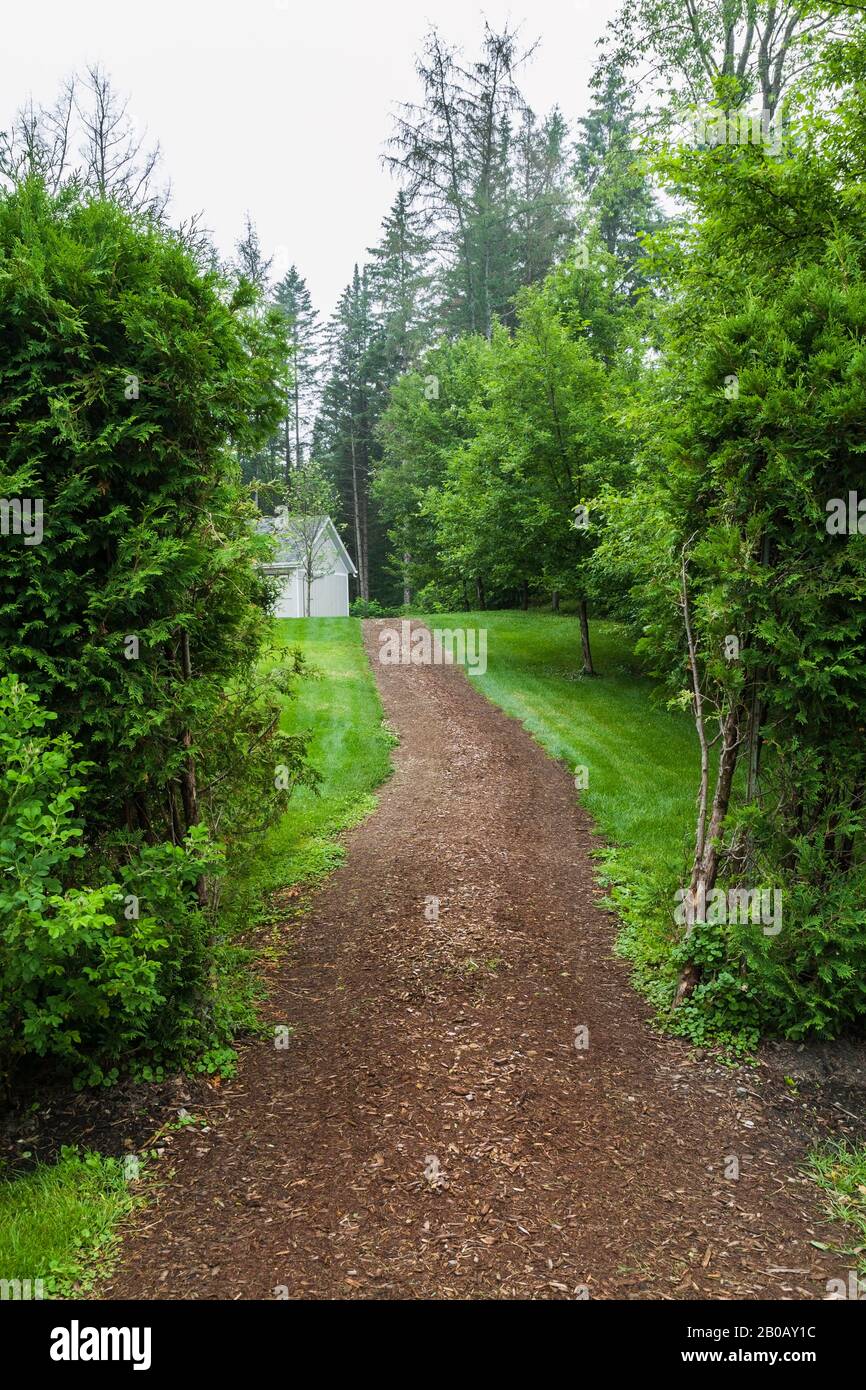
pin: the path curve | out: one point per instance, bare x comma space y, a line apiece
448, 1047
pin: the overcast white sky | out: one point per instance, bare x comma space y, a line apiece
281, 107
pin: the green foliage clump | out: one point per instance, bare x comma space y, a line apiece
85, 975
809, 979
130, 382
125, 376
372, 608
748, 446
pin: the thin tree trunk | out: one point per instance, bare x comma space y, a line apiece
365, 549
554, 601
174, 816
588, 668
356, 517
407, 592
756, 719
144, 820
479, 592
721, 801
454, 183
297, 403
525, 596
706, 868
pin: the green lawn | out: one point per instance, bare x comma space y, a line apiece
57, 1224
350, 749
840, 1171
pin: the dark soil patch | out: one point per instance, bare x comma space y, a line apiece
113, 1121
818, 1089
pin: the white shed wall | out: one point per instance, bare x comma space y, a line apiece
287, 600
330, 597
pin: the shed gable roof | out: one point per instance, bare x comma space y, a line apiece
288, 551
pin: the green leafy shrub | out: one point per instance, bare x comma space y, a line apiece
252, 766
130, 383
372, 608
809, 978
89, 975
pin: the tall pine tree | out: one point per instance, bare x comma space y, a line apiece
351, 401
304, 332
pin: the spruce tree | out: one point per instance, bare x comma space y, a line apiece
614, 191
304, 332
399, 278
351, 401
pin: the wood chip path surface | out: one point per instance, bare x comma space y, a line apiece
432, 1130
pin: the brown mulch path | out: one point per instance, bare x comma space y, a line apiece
432, 1131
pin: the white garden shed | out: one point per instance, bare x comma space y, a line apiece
308, 543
